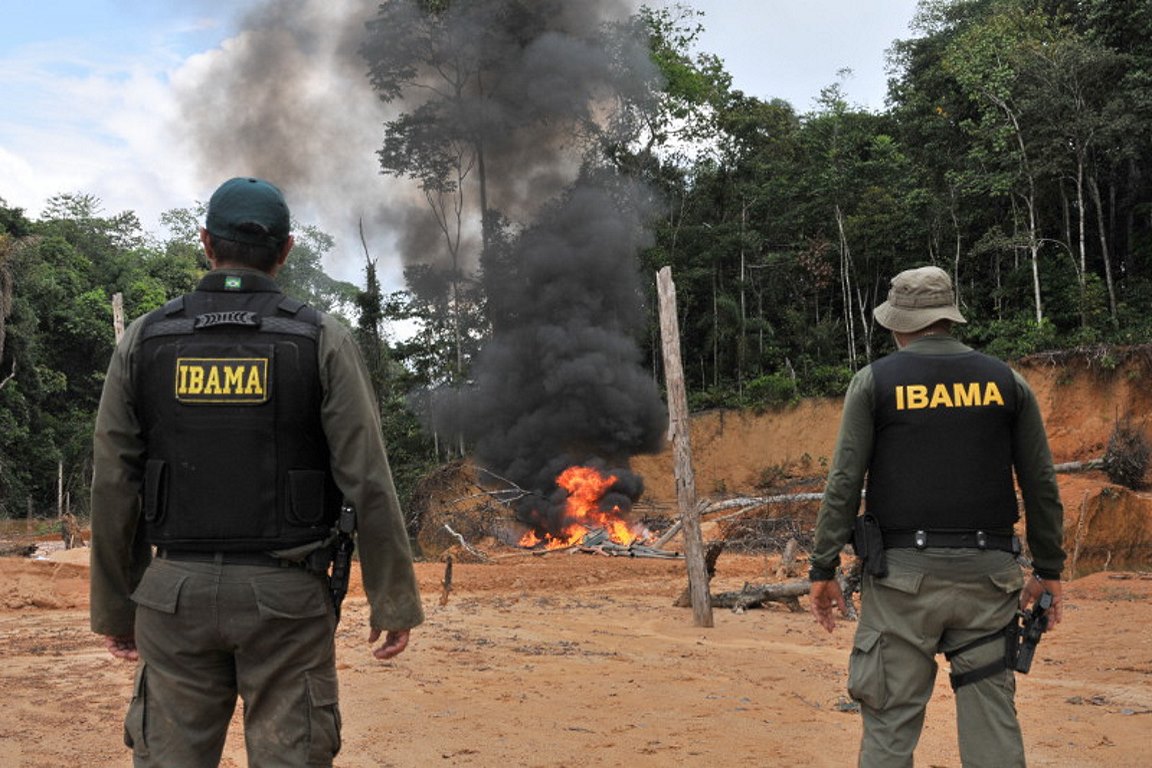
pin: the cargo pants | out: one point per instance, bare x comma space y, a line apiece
935, 601
207, 632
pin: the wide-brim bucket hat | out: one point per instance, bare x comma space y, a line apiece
917, 299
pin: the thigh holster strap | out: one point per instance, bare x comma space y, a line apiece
1006, 661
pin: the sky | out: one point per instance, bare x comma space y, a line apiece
94, 94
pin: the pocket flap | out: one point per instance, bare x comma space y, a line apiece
866, 639
159, 589
1011, 580
908, 583
297, 598
323, 689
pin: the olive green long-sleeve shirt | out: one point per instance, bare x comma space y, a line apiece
1032, 461
359, 463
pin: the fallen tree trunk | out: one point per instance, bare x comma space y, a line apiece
13, 549
1079, 466
788, 592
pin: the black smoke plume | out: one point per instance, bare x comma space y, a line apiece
561, 381
565, 383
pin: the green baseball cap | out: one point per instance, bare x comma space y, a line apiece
248, 210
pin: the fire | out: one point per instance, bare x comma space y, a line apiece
585, 486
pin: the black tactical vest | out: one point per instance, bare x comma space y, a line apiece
228, 396
942, 450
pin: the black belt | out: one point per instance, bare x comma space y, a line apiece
1004, 542
225, 558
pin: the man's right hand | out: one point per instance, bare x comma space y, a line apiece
823, 598
122, 647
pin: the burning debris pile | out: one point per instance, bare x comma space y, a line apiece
592, 521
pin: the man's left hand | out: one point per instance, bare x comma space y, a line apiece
122, 646
394, 643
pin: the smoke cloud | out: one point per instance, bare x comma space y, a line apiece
287, 99
561, 381
566, 384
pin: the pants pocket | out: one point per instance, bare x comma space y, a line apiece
134, 721
323, 718
866, 680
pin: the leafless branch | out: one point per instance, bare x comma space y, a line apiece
472, 550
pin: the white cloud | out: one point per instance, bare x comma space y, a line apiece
82, 120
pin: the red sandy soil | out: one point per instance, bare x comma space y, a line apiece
581, 660
576, 659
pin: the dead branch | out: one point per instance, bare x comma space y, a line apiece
751, 502
472, 550
516, 490
446, 582
1079, 466
746, 504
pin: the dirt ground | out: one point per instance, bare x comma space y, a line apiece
576, 659
581, 660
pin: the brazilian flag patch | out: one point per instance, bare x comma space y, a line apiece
233, 283
222, 380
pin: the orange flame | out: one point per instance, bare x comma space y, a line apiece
585, 486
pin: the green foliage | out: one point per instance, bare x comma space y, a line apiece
827, 380
771, 391
1012, 338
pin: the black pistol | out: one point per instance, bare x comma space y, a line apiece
342, 559
1032, 625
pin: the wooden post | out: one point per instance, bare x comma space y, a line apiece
678, 425
118, 315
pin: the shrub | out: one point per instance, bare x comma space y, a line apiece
1126, 459
772, 390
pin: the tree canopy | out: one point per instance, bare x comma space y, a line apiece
1015, 152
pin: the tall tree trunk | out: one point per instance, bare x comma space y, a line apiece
742, 341
957, 245
715, 331
1105, 253
1082, 234
846, 289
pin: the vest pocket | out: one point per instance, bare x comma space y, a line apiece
306, 496
155, 489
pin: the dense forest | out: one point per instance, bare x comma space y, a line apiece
1015, 152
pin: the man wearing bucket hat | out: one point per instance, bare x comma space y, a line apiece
234, 423
941, 435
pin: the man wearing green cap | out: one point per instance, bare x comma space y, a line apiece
942, 435
234, 423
